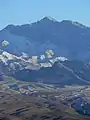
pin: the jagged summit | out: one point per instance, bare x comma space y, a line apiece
48, 18
66, 38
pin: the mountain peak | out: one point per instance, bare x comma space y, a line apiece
48, 18
73, 23
10, 26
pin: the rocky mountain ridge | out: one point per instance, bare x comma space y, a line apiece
46, 68
65, 38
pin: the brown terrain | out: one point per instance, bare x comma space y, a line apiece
18, 107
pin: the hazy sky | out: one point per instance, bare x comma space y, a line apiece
25, 11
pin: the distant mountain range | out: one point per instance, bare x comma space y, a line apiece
66, 38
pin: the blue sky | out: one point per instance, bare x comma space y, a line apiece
27, 11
